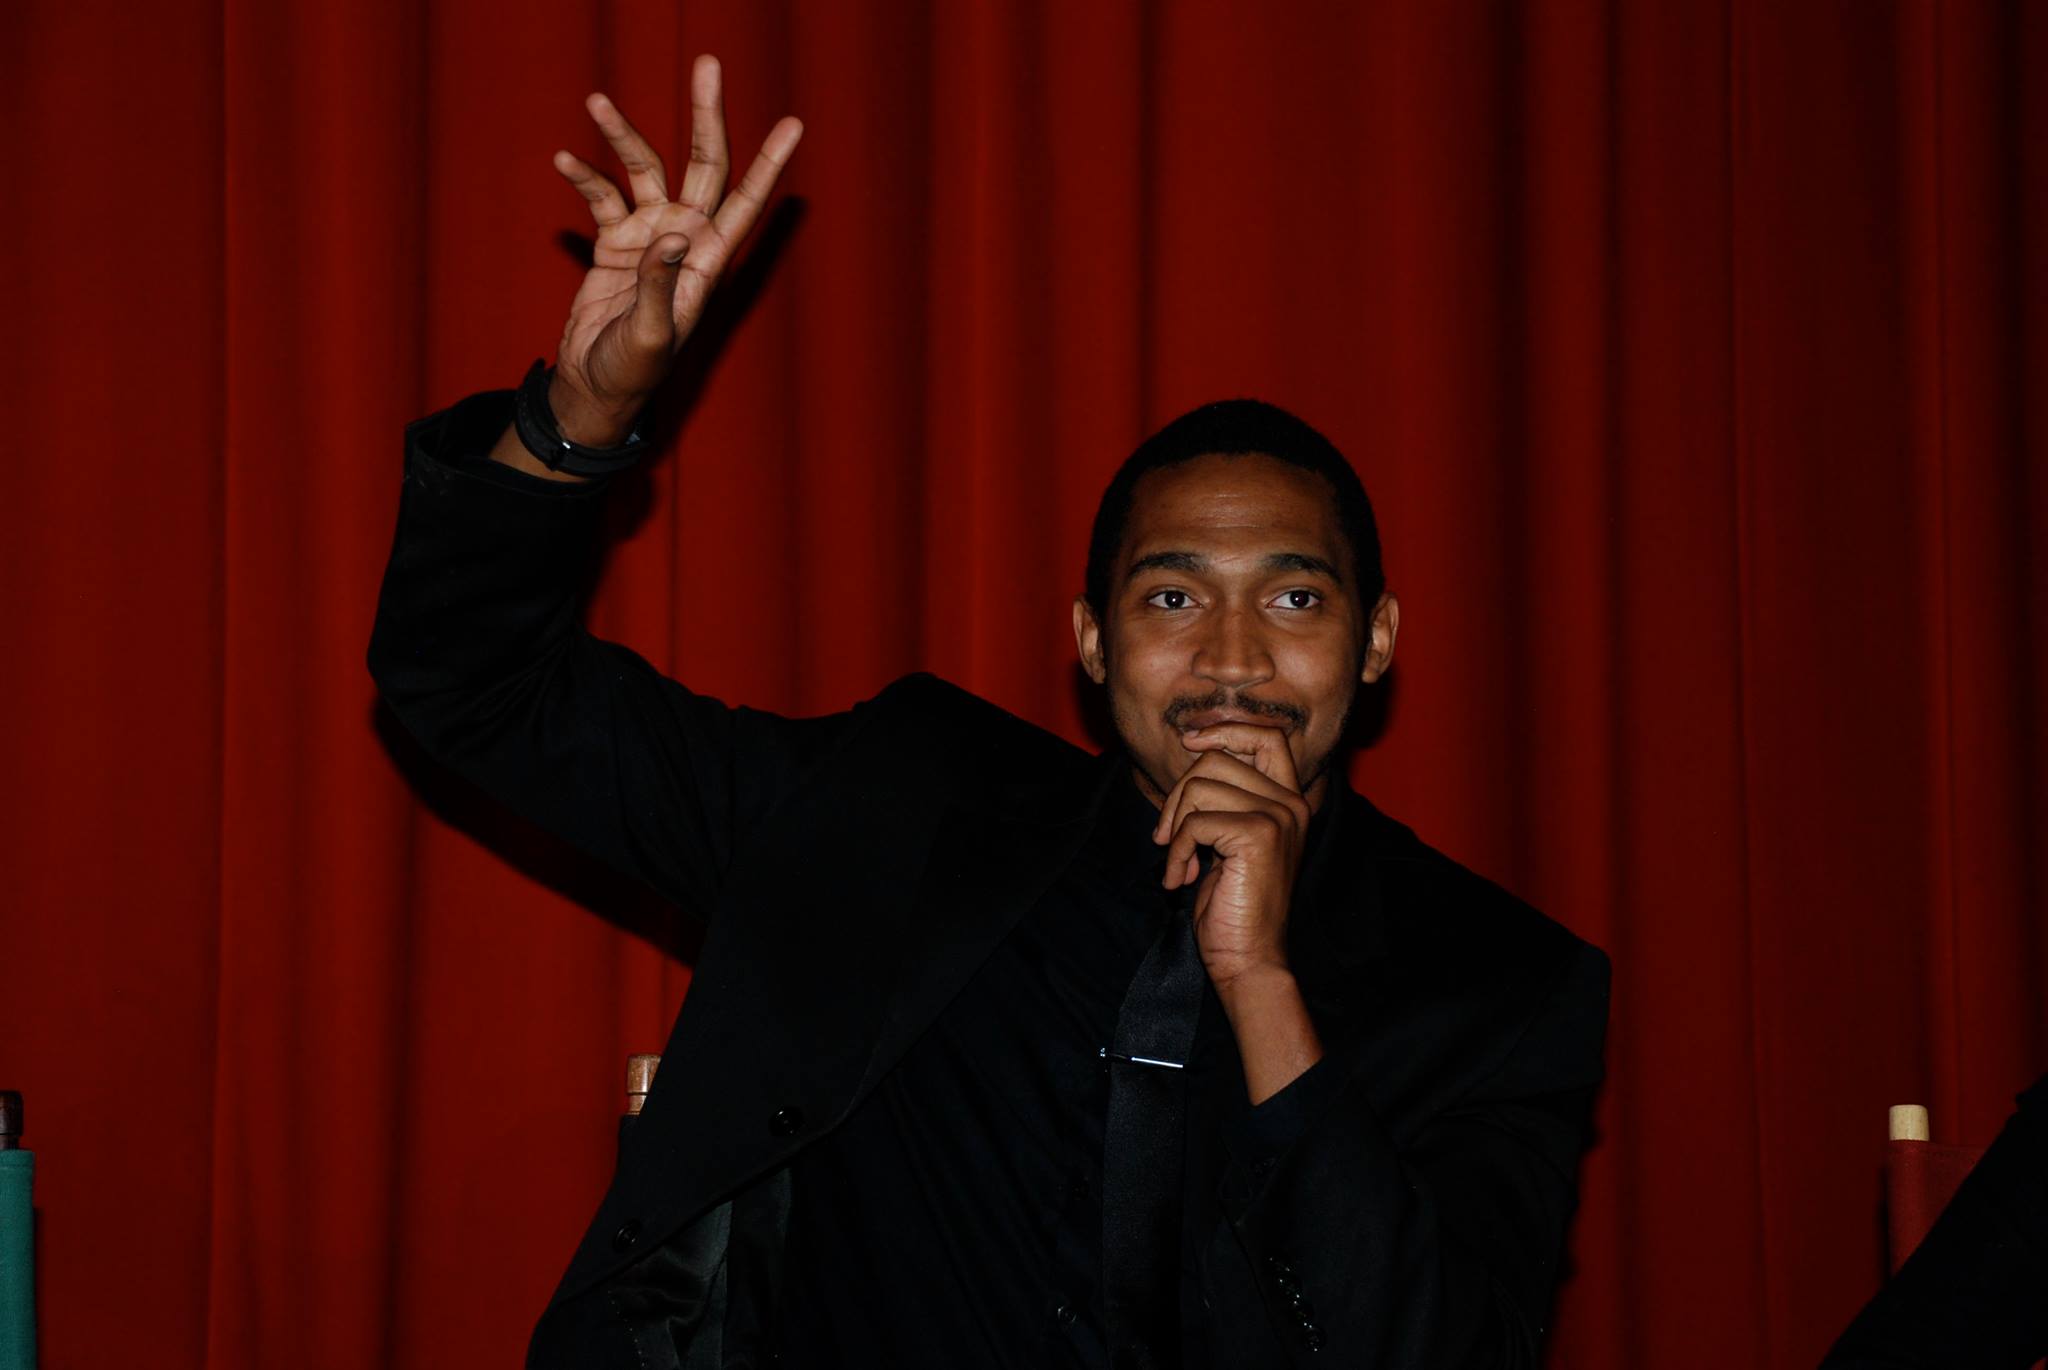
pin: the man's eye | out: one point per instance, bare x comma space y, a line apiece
1168, 599
1299, 599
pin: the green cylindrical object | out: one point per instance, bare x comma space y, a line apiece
17, 1260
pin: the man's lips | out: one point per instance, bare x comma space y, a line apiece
1189, 712
1209, 718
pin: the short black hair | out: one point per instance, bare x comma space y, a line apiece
1237, 428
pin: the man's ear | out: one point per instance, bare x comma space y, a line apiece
1384, 628
1088, 639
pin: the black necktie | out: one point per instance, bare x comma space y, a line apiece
1145, 1144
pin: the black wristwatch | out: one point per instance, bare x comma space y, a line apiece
535, 423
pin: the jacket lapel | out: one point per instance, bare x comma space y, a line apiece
823, 974
988, 864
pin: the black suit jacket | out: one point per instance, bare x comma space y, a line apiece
856, 869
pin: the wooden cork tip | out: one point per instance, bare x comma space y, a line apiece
1909, 1123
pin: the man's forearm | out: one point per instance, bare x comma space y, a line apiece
1275, 1037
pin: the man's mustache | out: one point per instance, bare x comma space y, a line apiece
1185, 707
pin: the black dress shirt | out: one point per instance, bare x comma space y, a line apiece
955, 1218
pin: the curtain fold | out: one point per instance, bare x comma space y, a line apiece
1692, 352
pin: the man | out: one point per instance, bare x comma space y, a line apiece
997, 1053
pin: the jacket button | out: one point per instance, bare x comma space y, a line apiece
787, 1122
1064, 1315
627, 1236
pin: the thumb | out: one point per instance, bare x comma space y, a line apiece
655, 295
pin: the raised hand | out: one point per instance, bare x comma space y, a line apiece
656, 260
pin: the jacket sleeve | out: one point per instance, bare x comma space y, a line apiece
1438, 1250
480, 651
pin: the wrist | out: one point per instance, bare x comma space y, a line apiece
581, 418
1276, 1038
1256, 982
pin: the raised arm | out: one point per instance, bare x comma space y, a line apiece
479, 646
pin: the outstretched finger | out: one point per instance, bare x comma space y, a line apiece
644, 171
735, 218
710, 161
607, 206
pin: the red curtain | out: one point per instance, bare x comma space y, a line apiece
1693, 353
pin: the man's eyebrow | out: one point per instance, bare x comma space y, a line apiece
1195, 563
1301, 561
1166, 561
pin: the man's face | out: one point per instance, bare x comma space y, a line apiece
1233, 599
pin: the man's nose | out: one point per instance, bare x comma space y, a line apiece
1233, 652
